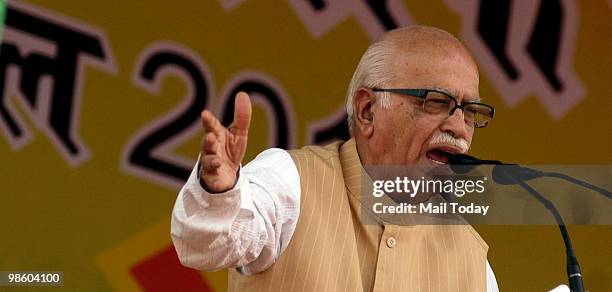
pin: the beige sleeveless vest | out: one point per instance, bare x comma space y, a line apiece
332, 251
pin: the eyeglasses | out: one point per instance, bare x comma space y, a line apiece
436, 102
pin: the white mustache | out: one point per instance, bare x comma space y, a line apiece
447, 139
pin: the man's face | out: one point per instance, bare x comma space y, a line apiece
403, 132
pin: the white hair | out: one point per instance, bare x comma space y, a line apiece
374, 70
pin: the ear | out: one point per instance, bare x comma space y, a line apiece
363, 104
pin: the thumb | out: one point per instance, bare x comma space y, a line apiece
242, 113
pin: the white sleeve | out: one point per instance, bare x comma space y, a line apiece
491, 281
247, 227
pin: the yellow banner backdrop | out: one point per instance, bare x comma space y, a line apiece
99, 117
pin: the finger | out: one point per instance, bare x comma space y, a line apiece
210, 143
242, 114
211, 162
210, 123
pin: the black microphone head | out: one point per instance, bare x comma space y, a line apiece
463, 163
463, 159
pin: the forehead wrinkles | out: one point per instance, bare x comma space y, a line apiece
435, 69
431, 57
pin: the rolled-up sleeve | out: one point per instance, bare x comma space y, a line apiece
246, 227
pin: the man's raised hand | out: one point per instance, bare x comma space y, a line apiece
223, 148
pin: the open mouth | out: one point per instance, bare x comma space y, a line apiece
439, 156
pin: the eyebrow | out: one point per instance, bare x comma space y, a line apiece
473, 99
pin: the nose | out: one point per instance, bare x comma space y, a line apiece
456, 126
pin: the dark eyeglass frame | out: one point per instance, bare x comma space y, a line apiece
422, 94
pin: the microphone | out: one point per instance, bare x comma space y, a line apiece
509, 174
503, 173
463, 163
464, 159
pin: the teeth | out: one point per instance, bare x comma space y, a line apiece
438, 156
436, 162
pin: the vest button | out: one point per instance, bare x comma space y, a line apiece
391, 242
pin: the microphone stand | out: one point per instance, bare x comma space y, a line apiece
573, 268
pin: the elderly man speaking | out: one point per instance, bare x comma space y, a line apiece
291, 220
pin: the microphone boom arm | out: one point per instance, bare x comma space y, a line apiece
573, 268
579, 182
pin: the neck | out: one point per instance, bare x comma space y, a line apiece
363, 150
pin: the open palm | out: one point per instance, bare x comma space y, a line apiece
223, 148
